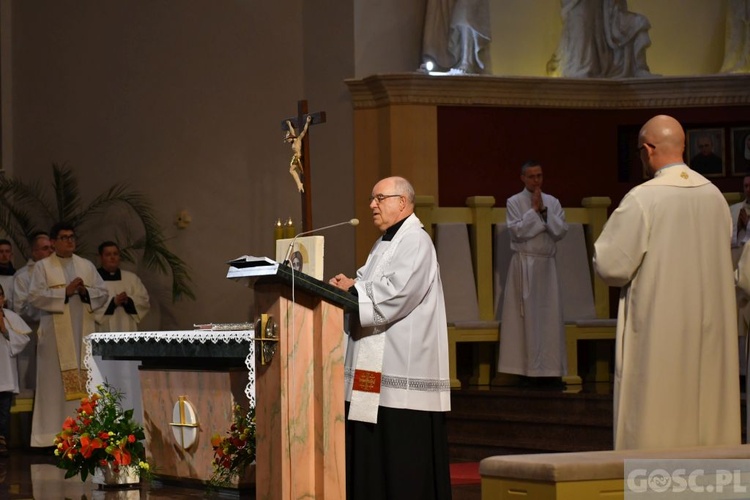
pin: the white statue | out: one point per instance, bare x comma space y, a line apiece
457, 36
737, 38
295, 139
601, 39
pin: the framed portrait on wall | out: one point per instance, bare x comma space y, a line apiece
741, 150
705, 151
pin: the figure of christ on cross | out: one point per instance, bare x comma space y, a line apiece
295, 133
295, 166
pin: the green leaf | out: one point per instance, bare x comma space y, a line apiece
24, 210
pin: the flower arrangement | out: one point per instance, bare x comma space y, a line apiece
101, 435
235, 451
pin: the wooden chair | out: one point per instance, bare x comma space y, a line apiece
479, 217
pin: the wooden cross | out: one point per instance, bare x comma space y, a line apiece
298, 123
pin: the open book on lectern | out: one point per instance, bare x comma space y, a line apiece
262, 269
248, 266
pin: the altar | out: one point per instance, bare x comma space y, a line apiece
189, 383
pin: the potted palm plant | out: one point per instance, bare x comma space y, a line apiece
27, 207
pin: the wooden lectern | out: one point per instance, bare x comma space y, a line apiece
300, 349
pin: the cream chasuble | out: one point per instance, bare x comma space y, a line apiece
61, 380
676, 368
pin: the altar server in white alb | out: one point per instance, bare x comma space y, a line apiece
396, 370
14, 336
533, 333
41, 247
128, 304
67, 290
128, 298
667, 246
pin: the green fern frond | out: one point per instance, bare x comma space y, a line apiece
156, 256
24, 210
66, 194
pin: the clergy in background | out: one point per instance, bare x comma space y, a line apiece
533, 333
67, 290
668, 246
128, 298
7, 271
127, 306
41, 247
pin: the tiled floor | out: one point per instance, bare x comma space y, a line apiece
33, 475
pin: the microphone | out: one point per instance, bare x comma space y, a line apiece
352, 222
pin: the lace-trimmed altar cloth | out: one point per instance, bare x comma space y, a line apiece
96, 366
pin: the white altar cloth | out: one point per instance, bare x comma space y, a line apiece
124, 374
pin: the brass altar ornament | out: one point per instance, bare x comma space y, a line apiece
269, 338
185, 429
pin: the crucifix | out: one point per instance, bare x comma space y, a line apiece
299, 167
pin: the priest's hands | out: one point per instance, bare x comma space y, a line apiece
75, 286
743, 219
121, 299
342, 282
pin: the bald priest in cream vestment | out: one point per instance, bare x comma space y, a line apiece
66, 289
668, 247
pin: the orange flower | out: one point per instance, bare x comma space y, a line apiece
88, 445
87, 406
131, 438
122, 457
70, 425
215, 440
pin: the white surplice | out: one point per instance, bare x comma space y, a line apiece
676, 368
50, 405
7, 284
18, 333
532, 333
401, 296
27, 358
120, 320
122, 374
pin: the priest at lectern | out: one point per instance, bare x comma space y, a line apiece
396, 374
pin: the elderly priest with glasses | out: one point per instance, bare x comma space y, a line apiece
397, 385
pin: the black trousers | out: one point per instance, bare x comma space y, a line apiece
6, 399
403, 456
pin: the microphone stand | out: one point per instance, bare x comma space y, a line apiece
352, 222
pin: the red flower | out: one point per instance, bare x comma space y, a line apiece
122, 457
131, 438
70, 425
87, 406
88, 445
104, 435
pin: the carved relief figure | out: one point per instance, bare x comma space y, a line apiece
737, 41
457, 35
601, 39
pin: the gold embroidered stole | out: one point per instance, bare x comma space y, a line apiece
74, 376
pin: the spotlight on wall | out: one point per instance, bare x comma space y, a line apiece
183, 219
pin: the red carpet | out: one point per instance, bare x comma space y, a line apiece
465, 473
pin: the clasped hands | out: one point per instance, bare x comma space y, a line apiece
342, 281
75, 286
536, 200
121, 299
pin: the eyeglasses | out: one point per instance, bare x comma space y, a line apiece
643, 146
380, 197
67, 237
